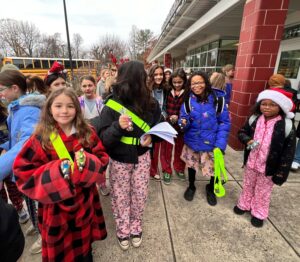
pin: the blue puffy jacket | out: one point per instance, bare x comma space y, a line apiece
205, 129
24, 114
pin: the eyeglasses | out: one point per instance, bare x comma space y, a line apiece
197, 84
3, 88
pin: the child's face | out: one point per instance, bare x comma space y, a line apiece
9, 93
198, 85
269, 108
88, 88
57, 84
158, 76
177, 83
63, 111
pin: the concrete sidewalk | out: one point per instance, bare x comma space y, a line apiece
177, 230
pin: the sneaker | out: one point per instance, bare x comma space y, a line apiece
123, 243
104, 190
36, 248
295, 166
30, 231
256, 222
210, 196
156, 177
189, 194
136, 240
23, 216
238, 211
167, 178
180, 175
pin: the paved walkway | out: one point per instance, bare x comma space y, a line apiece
177, 230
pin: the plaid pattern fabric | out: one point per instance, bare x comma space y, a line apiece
70, 217
173, 106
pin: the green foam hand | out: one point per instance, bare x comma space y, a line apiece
220, 170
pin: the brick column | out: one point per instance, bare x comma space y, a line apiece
260, 36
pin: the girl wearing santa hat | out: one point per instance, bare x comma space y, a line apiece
56, 77
268, 155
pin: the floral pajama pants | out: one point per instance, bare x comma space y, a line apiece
129, 191
256, 193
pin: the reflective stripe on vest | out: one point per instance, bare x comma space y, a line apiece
60, 148
135, 119
130, 140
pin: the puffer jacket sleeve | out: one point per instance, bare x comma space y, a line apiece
37, 177
223, 129
26, 129
286, 160
109, 129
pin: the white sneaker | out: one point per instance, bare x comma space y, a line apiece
30, 231
36, 248
157, 177
295, 166
123, 243
23, 216
136, 240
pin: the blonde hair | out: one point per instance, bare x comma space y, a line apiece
109, 82
217, 80
47, 124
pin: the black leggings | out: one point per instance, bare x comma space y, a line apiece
192, 178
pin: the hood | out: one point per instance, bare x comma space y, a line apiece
36, 100
218, 92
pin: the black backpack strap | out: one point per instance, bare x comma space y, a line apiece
220, 104
187, 105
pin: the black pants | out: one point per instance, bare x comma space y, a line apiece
15, 250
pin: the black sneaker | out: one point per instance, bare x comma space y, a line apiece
210, 196
256, 222
189, 194
238, 211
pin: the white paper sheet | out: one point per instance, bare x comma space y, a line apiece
163, 130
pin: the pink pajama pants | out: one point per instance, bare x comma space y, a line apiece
129, 191
256, 193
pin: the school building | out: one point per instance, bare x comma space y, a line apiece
260, 37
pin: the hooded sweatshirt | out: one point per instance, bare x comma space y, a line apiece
24, 114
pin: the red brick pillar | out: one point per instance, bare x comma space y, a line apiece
260, 36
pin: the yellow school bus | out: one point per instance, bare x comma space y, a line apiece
40, 66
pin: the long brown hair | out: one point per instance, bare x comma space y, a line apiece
151, 82
47, 124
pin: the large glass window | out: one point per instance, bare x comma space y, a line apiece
19, 63
226, 57
289, 63
212, 58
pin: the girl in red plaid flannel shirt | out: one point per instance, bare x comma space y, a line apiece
70, 213
174, 100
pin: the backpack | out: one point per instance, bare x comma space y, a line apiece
220, 103
288, 124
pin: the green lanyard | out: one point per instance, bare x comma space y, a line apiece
219, 167
135, 119
60, 148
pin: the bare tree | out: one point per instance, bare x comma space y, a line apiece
101, 49
77, 43
52, 46
18, 38
132, 43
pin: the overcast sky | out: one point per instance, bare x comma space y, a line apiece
90, 18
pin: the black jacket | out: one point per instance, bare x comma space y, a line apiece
108, 129
281, 152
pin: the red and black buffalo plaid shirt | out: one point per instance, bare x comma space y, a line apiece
70, 218
173, 106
